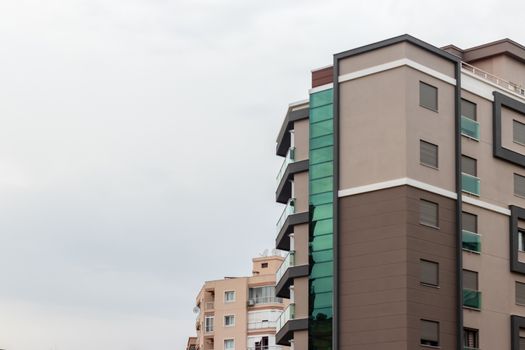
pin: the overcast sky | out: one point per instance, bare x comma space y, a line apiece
137, 142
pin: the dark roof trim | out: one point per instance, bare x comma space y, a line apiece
283, 140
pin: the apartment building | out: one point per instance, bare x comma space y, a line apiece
403, 182
240, 312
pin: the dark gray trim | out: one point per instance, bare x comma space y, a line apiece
284, 189
501, 152
285, 334
282, 241
516, 213
335, 288
283, 139
516, 322
281, 289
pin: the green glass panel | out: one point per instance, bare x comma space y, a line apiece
324, 269
470, 184
472, 298
469, 127
321, 170
322, 300
471, 241
321, 285
321, 185
322, 313
321, 98
322, 243
323, 255
321, 155
324, 211
321, 113
322, 128
322, 198
322, 227
322, 141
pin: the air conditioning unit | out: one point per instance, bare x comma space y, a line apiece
251, 302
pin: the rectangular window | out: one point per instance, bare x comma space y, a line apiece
470, 280
208, 324
468, 109
264, 265
229, 320
521, 241
518, 132
429, 273
519, 185
469, 222
522, 343
428, 213
428, 154
520, 293
470, 338
469, 166
229, 296
429, 333
229, 344
428, 96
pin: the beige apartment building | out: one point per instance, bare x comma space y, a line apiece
403, 184
240, 312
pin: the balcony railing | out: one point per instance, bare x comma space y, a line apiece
265, 300
469, 127
288, 210
261, 325
287, 315
288, 262
274, 347
469, 348
470, 184
209, 305
472, 298
290, 158
507, 85
471, 241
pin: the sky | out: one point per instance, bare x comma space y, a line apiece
137, 148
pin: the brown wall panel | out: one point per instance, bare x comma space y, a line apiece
322, 76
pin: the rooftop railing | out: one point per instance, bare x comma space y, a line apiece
507, 85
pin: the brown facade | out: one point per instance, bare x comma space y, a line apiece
322, 76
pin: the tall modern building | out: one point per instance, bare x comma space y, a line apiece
239, 312
404, 191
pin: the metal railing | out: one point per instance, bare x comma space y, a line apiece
288, 210
288, 262
273, 347
507, 85
265, 300
469, 128
472, 298
287, 315
290, 158
209, 305
261, 325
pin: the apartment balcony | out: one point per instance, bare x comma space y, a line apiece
288, 159
472, 299
289, 168
286, 222
469, 128
494, 80
287, 324
295, 113
471, 241
286, 273
265, 348
264, 301
470, 184
261, 325
209, 306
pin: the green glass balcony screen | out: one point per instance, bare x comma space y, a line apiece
472, 298
471, 241
287, 315
288, 262
469, 127
470, 184
321, 193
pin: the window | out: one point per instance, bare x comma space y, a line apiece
470, 338
208, 324
521, 241
429, 273
428, 213
518, 132
469, 222
522, 343
520, 293
429, 333
264, 265
519, 185
229, 344
469, 166
428, 154
468, 109
229, 296
470, 280
428, 96
229, 320
263, 295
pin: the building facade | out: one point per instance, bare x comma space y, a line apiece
240, 312
404, 191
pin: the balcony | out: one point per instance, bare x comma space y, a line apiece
261, 325
472, 299
287, 315
469, 128
286, 273
491, 78
288, 210
264, 300
209, 305
471, 241
289, 158
287, 324
470, 184
287, 262
286, 222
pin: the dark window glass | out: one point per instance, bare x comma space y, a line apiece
470, 280
429, 272
470, 338
469, 222
518, 132
469, 166
520, 293
428, 153
428, 96
468, 109
522, 343
519, 185
429, 333
264, 265
428, 213
521, 241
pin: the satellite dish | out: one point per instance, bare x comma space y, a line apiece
196, 310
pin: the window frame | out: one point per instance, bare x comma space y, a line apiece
436, 167
463, 156
421, 339
224, 343
516, 293
476, 337
226, 300
514, 121
463, 280
421, 83
514, 183
434, 263
232, 318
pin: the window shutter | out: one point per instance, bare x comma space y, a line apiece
520, 293
468, 109
430, 330
428, 214
468, 166
469, 222
519, 185
428, 153
518, 131
470, 280
428, 96
429, 272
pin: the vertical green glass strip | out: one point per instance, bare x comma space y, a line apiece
321, 192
